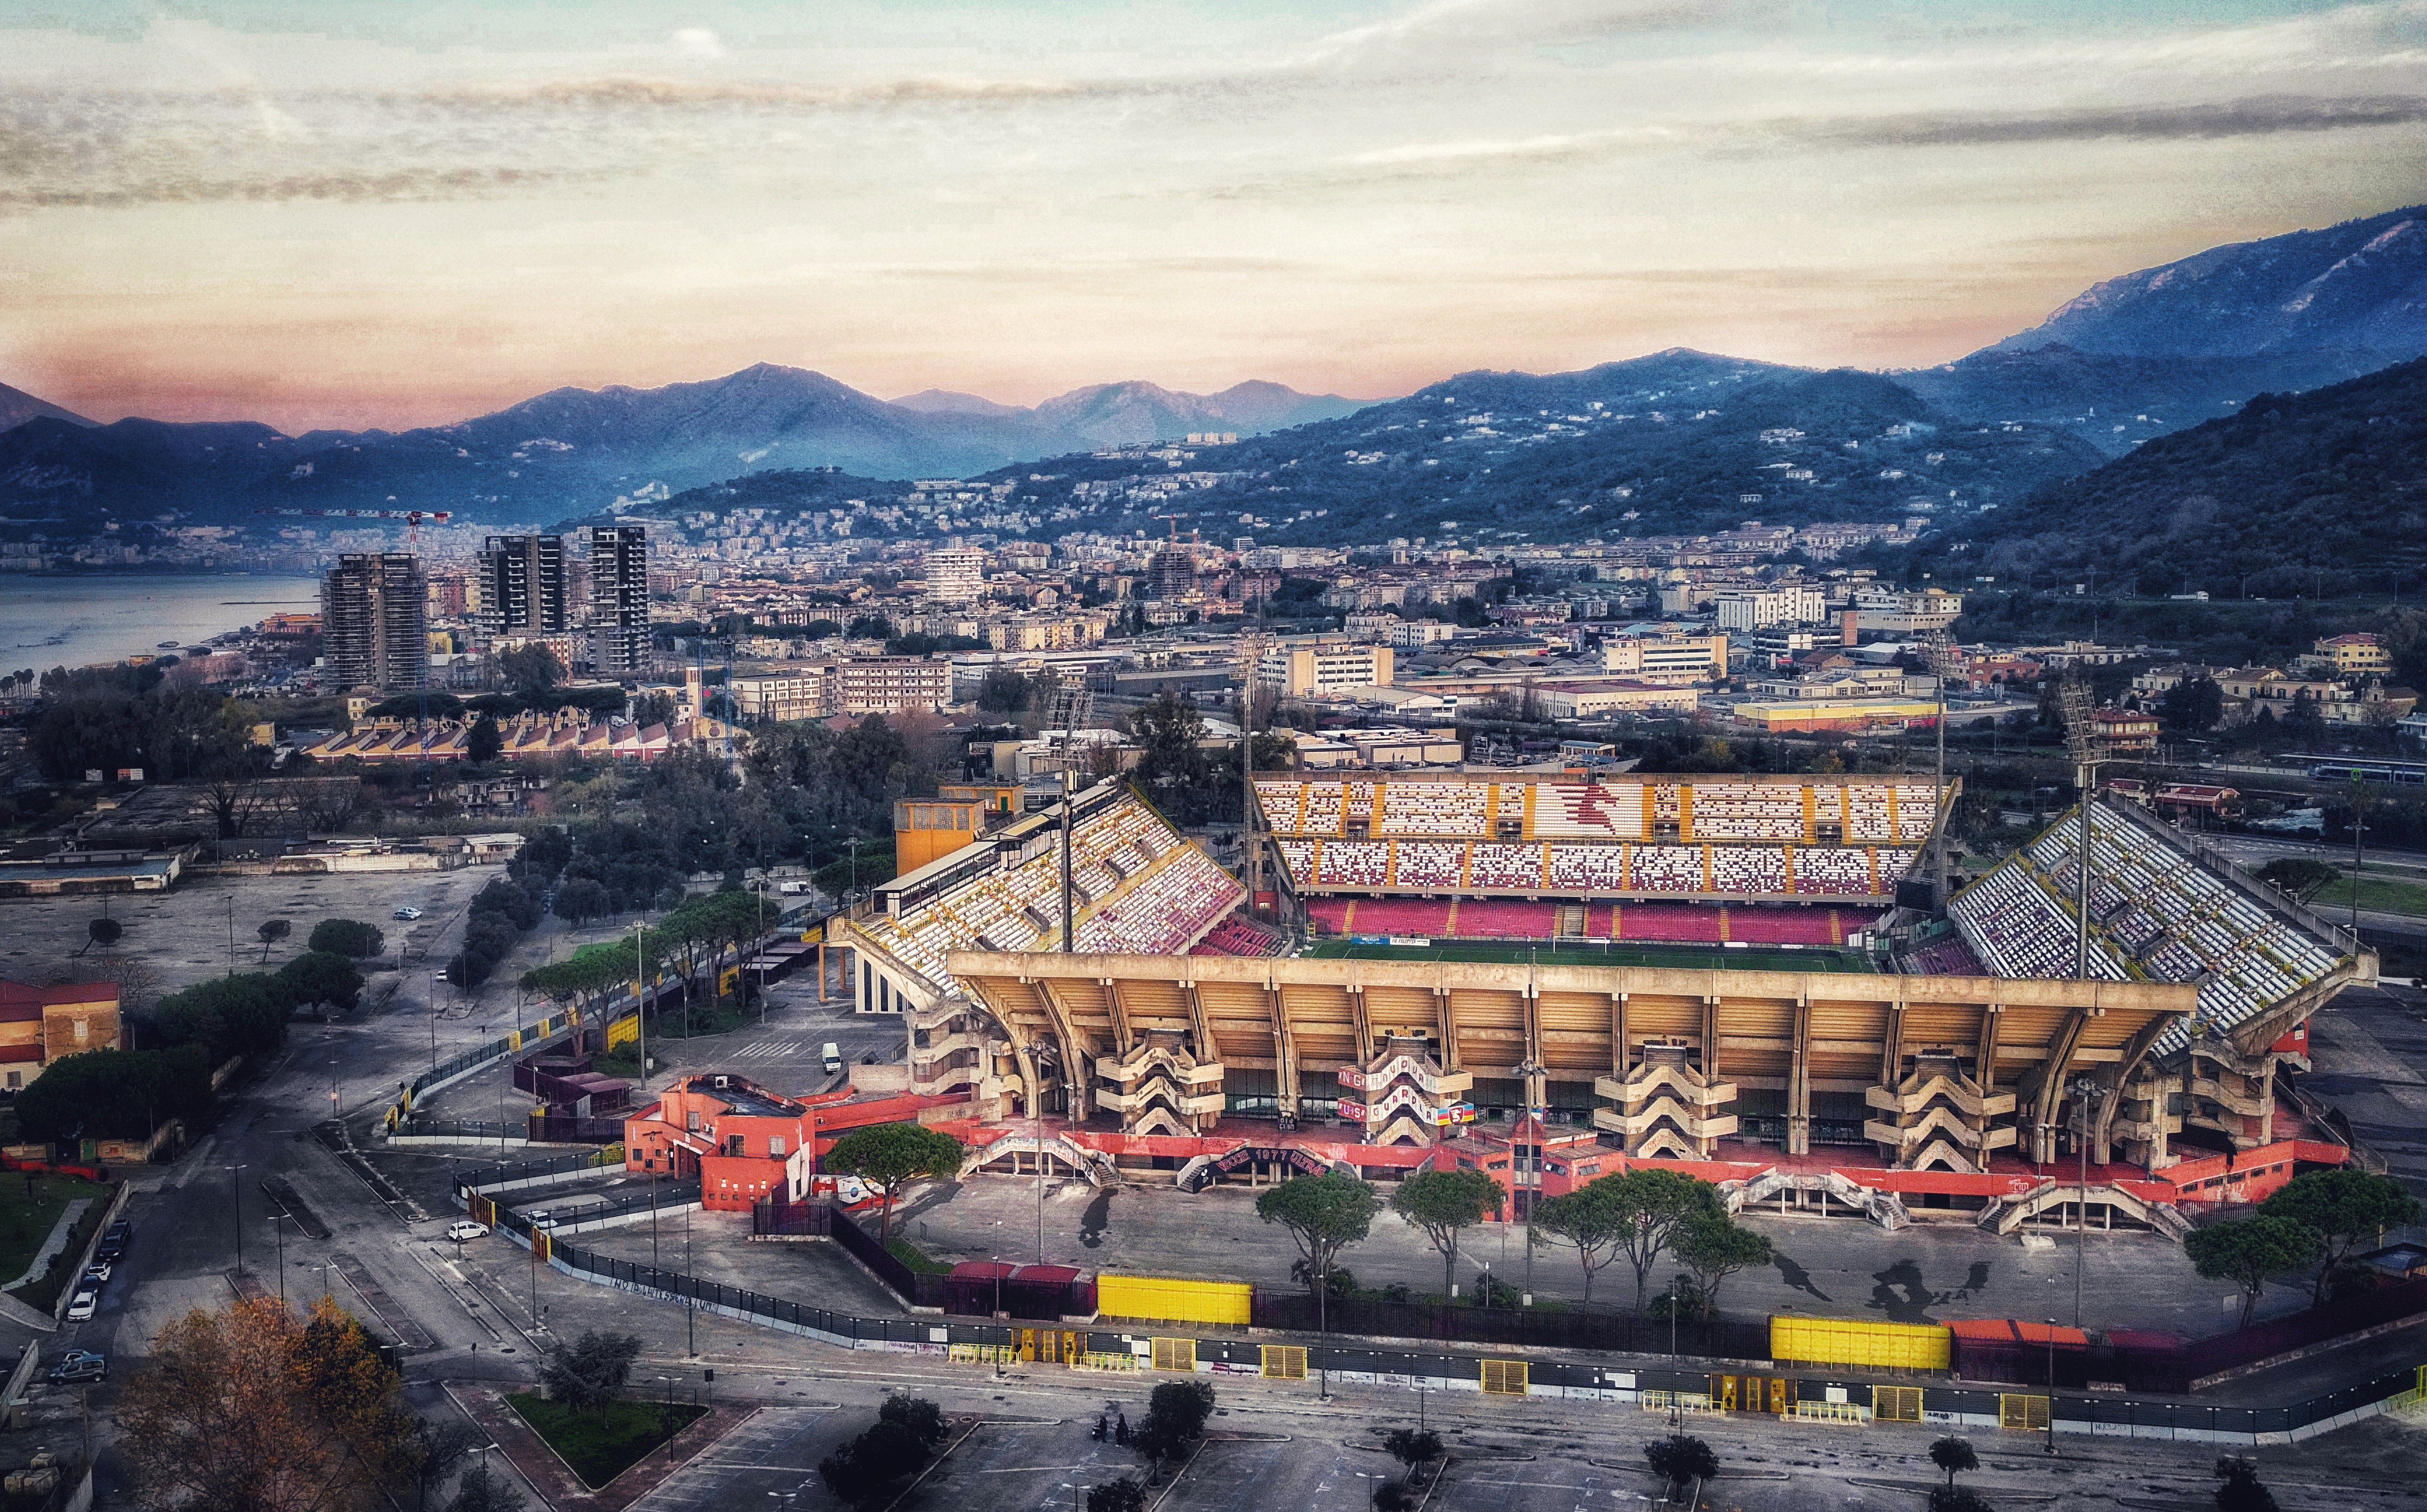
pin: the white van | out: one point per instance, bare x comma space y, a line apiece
831, 1056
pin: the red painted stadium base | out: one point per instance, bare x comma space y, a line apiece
2197, 1179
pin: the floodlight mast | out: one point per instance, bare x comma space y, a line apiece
1252, 658
1072, 704
2082, 743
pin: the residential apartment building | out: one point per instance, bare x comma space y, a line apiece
862, 685
2349, 656
374, 622
956, 575
1323, 666
522, 585
619, 601
1667, 661
1891, 611
1746, 610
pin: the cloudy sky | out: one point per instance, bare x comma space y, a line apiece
340, 212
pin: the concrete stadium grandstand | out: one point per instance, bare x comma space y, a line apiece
1787, 861
2163, 907
1937, 1071
1137, 887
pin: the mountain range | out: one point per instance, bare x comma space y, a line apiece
2331, 482
2133, 359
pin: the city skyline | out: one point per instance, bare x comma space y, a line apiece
318, 219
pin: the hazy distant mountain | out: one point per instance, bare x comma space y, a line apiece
17, 407
945, 401
1122, 415
2361, 286
1677, 442
573, 451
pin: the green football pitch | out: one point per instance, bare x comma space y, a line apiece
1627, 952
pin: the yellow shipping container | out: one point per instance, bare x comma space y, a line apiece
1165, 1296
1901, 1346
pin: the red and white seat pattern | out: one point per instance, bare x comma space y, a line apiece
1593, 811
1665, 869
1747, 811
1516, 868
1427, 866
1589, 868
1433, 809
1355, 864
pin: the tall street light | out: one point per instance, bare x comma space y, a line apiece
2083, 1088
238, 1170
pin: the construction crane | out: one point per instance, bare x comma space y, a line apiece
2089, 752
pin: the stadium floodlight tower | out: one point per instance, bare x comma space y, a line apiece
2081, 743
1073, 704
1252, 658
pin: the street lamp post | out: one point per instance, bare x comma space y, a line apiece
2051, 1380
691, 1311
239, 1218
274, 1220
2083, 1088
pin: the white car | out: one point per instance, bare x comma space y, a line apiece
464, 1229
97, 1271
87, 1299
408, 914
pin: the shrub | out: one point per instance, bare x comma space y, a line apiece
347, 937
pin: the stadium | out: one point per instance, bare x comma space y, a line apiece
1760, 979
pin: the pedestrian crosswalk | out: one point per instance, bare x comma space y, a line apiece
770, 1049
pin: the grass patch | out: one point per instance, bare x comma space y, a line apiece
917, 1259
29, 1207
601, 1447
2380, 895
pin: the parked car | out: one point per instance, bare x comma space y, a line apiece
80, 1365
85, 1302
464, 1229
114, 1240
830, 1057
407, 914
98, 1272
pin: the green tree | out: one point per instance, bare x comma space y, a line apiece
347, 937
1953, 1453
1123, 1495
2250, 1252
1651, 1205
1170, 735
1714, 1246
480, 1491
580, 900
2299, 875
483, 740
1443, 1204
2191, 705
1324, 1215
1175, 1417
1958, 1499
866, 1468
271, 931
101, 932
919, 1415
887, 1156
1681, 1457
2345, 1209
2241, 1490
590, 1373
1413, 1447
531, 670
1002, 691
1591, 1219
319, 977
